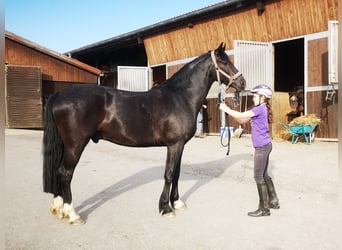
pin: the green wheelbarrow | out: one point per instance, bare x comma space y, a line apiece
308, 131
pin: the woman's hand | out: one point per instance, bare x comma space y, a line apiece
224, 107
240, 117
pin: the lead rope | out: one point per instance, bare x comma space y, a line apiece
229, 135
222, 98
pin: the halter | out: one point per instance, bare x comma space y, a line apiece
218, 71
231, 79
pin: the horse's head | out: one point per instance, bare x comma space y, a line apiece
296, 99
226, 72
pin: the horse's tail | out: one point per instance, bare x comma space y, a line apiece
52, 148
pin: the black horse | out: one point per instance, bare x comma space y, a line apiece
163, 116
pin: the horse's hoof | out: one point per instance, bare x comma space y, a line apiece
77, 221
53, 210
62, 215
168, 215
56, 205
179, 205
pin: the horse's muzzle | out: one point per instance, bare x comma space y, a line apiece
239, 84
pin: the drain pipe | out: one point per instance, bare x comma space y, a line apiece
99, 78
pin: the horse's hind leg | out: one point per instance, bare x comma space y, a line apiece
68, 210
65, 174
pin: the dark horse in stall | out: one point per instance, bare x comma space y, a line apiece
296, 101
163, 116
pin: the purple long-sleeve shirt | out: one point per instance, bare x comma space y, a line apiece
260, 129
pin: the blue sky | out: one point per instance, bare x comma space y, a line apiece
64, 25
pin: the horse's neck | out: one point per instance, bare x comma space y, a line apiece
194, 80
194, 88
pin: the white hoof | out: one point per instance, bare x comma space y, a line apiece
56, 205
69, 212
168, 215
179, 205
77, 221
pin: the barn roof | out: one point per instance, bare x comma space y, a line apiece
134, 38
51, 53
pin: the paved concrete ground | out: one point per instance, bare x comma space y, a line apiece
116, 191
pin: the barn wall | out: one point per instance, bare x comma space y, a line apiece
317, 86
33, 73
281, 20
52, 68
173, 69
318, 72
327, 111
317, 60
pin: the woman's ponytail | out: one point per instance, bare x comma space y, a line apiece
269, 111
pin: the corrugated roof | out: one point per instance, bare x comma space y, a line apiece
52, 53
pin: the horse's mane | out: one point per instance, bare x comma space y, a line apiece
182, 75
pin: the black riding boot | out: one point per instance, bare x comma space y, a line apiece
274, 201
263, 209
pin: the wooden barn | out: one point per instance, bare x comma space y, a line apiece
286, 44
32, 74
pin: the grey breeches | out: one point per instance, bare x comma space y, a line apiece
261, 157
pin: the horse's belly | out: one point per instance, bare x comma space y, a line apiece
132, 139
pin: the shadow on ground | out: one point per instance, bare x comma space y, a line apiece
202, 173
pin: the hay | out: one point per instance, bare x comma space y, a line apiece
301, 120
282, 136
305, 120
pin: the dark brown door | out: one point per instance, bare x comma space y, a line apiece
23, 97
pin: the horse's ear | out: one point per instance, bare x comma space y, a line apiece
222, 47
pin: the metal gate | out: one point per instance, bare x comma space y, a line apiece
134, 78
23, 97
255, 61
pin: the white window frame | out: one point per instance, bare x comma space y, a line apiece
333, 51
133, 78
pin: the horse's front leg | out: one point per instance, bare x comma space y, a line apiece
174, 153
174, 198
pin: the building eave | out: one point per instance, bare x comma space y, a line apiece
135, 38
51, 53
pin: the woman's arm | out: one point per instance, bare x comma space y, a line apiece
241, 117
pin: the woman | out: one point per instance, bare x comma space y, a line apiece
259, 116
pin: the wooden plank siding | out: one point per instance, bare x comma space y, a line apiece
318, 74
53, 69
281, 20
316, 100
280, 107
327, 111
